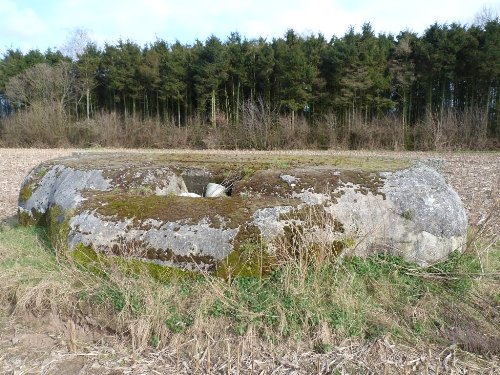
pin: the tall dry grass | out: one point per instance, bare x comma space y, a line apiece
259, 127
312, 302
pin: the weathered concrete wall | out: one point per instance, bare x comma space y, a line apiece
417, 215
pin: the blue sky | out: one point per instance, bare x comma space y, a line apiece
29, 24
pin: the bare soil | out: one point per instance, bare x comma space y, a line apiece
49, 345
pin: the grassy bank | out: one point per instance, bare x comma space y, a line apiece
315, 302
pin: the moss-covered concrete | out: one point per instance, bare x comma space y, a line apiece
233, 211
25, 193
32, 181
252, 179
102, 264
250, 256
222, 163
313, 216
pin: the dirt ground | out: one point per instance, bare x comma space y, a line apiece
46, 345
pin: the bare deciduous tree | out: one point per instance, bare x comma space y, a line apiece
42, 83
76, 42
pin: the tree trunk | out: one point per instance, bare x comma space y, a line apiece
238, 104
125, 106
186, 109
442, 102
165, 110
157, 107
410, 107
227, 103
404, 117
178, 112
214, 120
487, 113
231, 115
88, 103
430, 98
496, 125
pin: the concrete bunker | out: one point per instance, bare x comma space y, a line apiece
144, 199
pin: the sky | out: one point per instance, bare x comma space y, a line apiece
43, 24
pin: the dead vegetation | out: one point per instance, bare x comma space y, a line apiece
383, 316
379, 316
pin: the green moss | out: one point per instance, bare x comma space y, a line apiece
406, 215
368, 182
26, 192
54, 220
42, 171
24, 218
142, 190
171, 208
267, 182
90, 260
32, 218
338, 246
158, 272
57, 222
319, 179
349, 242
249, 257
248, 260
101, 264
235, 210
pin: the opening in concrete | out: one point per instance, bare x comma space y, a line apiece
200, 183
196, 181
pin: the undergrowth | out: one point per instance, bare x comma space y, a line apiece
316, 303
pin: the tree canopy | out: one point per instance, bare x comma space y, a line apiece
359, 74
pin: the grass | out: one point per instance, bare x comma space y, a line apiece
318, 301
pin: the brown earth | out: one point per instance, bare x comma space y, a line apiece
47, 345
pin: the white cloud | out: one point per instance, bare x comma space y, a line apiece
20, 25
393, 16
48, 23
